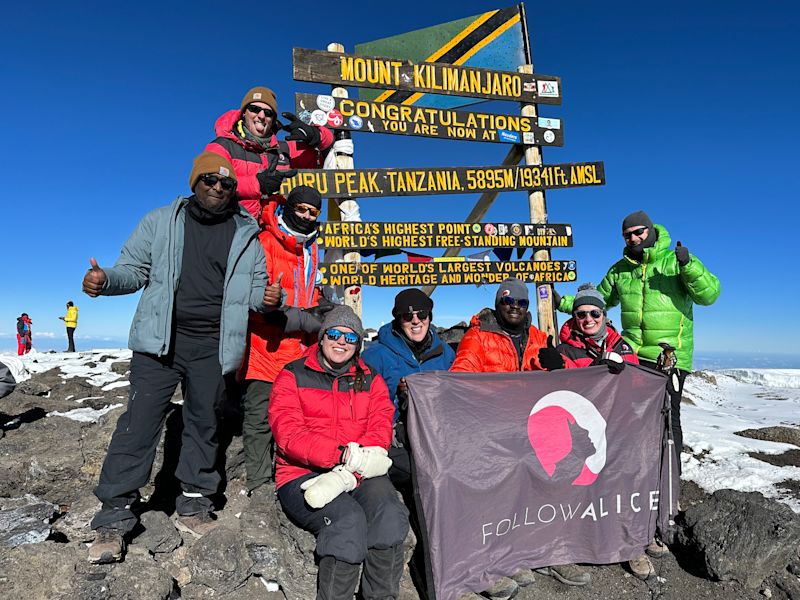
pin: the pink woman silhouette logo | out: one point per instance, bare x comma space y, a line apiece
553, 438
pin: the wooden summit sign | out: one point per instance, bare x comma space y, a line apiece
364, 183
380, 235
451, 272
386, 117
439, 78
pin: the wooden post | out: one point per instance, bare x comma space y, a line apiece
344, 208
538, 212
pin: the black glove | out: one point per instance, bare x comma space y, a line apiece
270, 181
614, 362
323, 307
682, 255
301, 132
549, 358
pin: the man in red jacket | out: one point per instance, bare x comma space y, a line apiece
247, 138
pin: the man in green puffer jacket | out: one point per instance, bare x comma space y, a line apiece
656, 289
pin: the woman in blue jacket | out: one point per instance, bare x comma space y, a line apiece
406, 345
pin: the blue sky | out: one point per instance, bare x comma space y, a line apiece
692, 106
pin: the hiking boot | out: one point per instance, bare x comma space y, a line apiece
524, 577
197, 525
107, 547
504, 589
641, 567
570, 574
656, 549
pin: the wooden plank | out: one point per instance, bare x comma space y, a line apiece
365, 183
380, 235
385, 117
438, 78
441, 272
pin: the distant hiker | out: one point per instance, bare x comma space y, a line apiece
289, 236
201, 268
71, 321
656, 288
332, 420
409, 344
24, 336
247, 138
504, 340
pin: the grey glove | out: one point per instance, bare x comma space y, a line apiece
319, 491
367, 461
682, 255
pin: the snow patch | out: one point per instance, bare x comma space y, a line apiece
85, 415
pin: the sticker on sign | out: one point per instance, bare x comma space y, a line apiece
547, 89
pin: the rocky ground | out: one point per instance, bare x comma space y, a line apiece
730, 545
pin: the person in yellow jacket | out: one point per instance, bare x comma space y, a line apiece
71, 321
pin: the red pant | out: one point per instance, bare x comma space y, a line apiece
23, 344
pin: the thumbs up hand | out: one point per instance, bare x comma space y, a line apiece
94, 280
682, 255
273, 293
550, 359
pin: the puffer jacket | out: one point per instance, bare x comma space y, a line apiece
314, 414
71, 320
248, 157
656, 297
270, 347
580, 351
152, 258
486, 348
391, 356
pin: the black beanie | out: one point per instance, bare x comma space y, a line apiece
637, 219
411, 300
302, 194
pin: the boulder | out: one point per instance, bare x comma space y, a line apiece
784, 435
33, 388
75, 524
740, 536
159, 535
25, 520
219, 560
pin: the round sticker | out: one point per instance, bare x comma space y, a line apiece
516, 229
335, 118
476, 228
549, 136
325, 103
489, 229
355, 122
305, 117
319, 118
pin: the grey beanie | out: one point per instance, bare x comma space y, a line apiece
512, 287
637, 219
342, 316
588, 294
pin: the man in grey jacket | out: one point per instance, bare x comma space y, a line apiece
202, 269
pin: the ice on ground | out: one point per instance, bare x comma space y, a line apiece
729, 401
85, 415
115, 385
76, 364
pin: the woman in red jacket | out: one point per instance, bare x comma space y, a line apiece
331, 417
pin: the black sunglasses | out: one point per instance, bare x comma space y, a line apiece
582, 314
268, 112
226, 183
635, 232
349, 336
509, 301
409, 316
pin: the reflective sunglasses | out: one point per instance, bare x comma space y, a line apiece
407, 317
636, 232
509, 301
226, 183
582, 314
334, 334
312, 210
268, 112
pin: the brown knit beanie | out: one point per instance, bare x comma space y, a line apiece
260, 94
209, 162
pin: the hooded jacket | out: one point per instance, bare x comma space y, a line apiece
580, 351
270, 346
248, 157
314, 414
71, 320
392, 357
656, 297
486, 348
24, 326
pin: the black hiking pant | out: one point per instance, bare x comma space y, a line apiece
675, 396
129, 460
256, 433
71, 339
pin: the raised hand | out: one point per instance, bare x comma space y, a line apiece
301, 132
273, 292
682, 254
269, 182
94, 280
550, 359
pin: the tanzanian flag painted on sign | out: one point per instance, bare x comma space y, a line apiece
491, 40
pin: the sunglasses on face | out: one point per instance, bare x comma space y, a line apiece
582, 314
312, 210
509, 301
421, 315
268, 112
635, 232
226, 183
349, 336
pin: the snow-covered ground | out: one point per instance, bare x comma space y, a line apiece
733, 400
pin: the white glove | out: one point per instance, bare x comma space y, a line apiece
369, 461
320, 490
